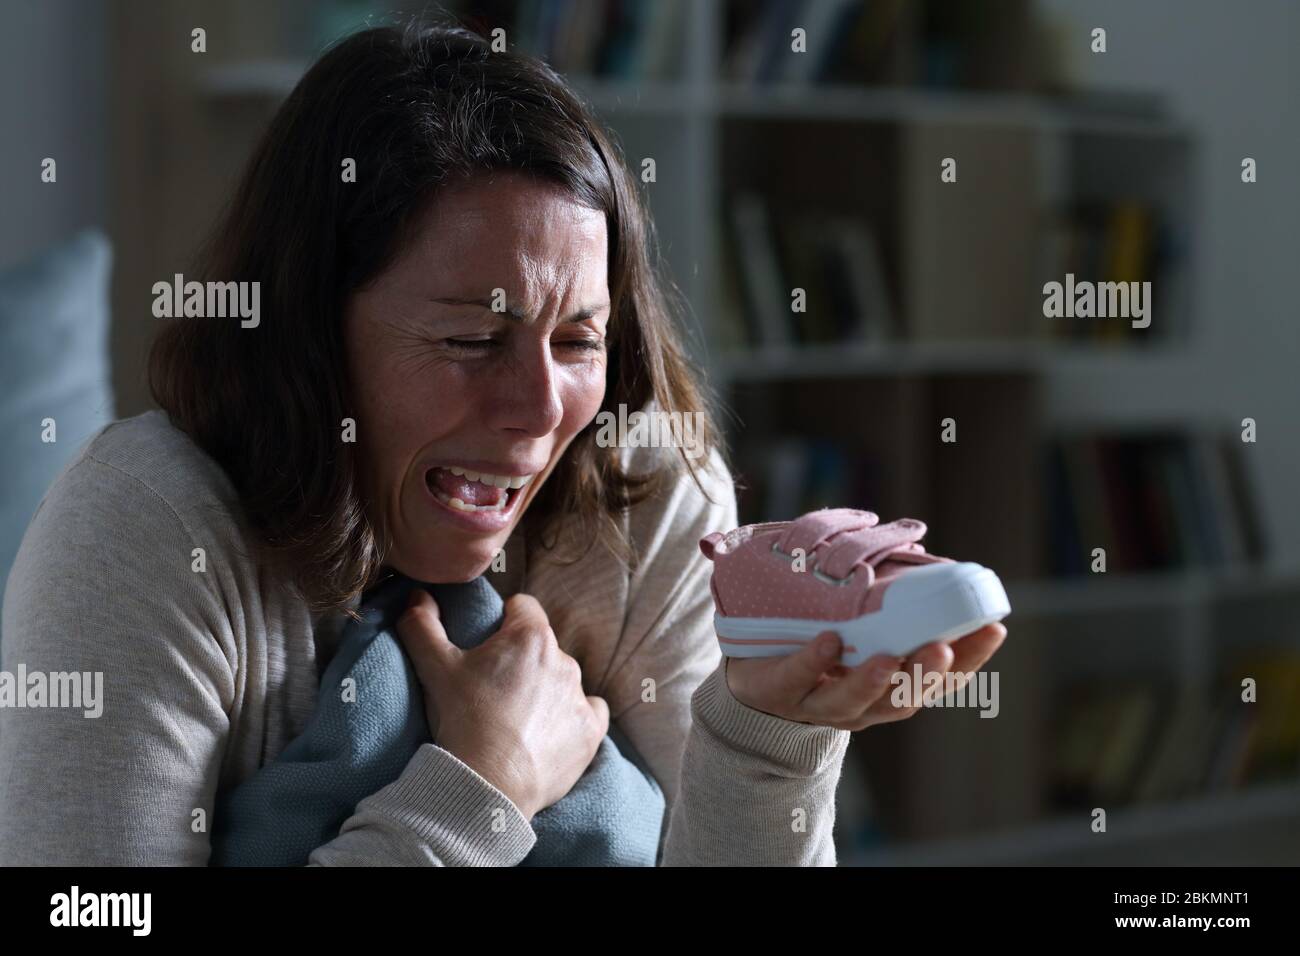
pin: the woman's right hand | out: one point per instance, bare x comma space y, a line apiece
512, 708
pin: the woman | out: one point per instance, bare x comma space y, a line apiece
455, 277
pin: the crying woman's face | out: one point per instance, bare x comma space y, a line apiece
463, 410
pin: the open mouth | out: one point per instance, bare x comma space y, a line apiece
471, 491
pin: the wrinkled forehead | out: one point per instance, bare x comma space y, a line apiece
509, 231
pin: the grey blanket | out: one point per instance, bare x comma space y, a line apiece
353, 748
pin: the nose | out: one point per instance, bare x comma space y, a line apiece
526, 394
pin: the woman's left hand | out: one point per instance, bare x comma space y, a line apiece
811, 687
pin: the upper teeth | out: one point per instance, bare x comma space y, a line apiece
500, 481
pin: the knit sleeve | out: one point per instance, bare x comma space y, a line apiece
757, 790
743, 787
104, 586
439, 812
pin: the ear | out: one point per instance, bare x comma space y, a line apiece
709, 542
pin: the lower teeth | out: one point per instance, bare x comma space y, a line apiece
457, 505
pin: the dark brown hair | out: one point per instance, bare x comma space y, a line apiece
416, 106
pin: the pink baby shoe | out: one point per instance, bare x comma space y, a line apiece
776, 586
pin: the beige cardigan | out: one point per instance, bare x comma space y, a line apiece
207, 676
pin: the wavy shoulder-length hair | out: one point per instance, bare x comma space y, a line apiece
416, 106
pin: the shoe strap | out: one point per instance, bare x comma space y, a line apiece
709, 543
870, 547
816, 527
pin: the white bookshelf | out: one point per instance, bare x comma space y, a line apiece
889, 358
1140, 836
1109, 594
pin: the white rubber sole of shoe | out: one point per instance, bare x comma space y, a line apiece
934, 602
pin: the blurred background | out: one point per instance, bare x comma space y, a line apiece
923, 299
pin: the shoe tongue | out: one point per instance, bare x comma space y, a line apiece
470, 492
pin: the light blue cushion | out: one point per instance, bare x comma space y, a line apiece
54, 316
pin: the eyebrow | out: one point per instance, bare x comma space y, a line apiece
512, 312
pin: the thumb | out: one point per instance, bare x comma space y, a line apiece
425, 639
799, 674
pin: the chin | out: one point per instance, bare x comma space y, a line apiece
468, 563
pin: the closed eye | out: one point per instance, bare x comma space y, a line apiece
483, 345
472, 345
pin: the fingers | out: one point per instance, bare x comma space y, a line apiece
863, 696
422, 634
800, 673
934, 658
957, 659
974, 650
866, 696
525, 615
960, 658
842, 703
525, 612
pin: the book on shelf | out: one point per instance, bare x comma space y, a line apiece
981, 46
860, 300
934, 43
1102, 736
611, 39
1176, 762
1225, 768
1161, 500
1139, 743
783, 477
826, 23
834, 259
767, 299
846, 41
1268, 750
1120, 240
734, 329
